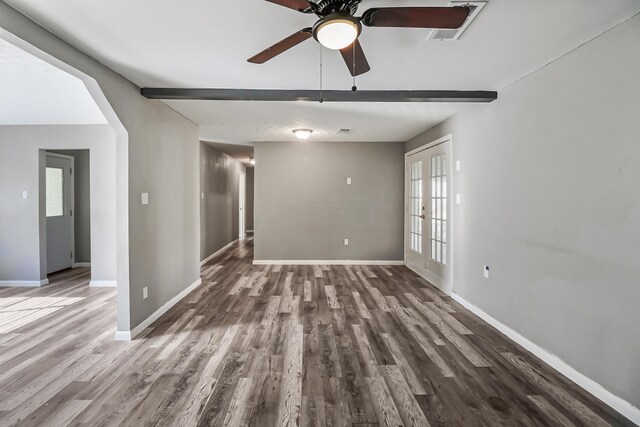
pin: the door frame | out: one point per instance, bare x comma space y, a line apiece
447, 288
242, 205
72, 204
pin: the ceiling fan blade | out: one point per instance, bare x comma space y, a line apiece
281, 46
298, 5
360, 64
416, 17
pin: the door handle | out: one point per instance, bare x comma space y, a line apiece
423, 216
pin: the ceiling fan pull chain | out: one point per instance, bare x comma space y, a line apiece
354, 87
321, 94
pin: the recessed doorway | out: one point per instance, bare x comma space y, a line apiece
242, 200
59, 209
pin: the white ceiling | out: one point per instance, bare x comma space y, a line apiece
240, 121
205, 43
34, 92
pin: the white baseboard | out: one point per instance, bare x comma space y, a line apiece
103, 284
129, 335
216, 253
123, 336
325, 262
622, 406
24, 283
80, 264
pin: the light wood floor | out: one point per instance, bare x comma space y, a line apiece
279, 345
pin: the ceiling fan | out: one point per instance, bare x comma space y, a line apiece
338, 28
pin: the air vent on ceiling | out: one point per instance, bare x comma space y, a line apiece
475, 6
343, 131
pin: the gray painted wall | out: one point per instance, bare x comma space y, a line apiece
157, 244
219, 177
550, 186
22, 222
250, 196
82, 203
304, 208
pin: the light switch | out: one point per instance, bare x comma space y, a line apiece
202, 195
346, 242
458, 199
457, 165
25, 194
145, 292
486, 271
145, 198
349, 181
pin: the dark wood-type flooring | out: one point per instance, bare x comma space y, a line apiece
273, 346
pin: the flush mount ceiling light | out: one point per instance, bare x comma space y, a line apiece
337, 31
302, 133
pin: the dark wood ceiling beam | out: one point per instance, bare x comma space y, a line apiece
469, 96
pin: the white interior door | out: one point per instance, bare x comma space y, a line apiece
437, 242
242, 189
415, 212
59, 211
428, 214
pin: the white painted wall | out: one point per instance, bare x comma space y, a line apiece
22, 226
550, 186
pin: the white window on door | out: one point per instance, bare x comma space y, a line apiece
416, 206
439, 209
55, 192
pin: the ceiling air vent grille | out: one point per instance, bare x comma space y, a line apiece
444, 34
475, 6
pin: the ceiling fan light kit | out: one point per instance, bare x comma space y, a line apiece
337, 31
338, 28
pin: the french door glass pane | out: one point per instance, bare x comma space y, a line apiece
415, 206
438, 204
55, 192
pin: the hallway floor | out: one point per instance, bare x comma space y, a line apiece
274, 345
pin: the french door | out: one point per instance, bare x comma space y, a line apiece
428, 213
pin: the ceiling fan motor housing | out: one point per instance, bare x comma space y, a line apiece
329, 7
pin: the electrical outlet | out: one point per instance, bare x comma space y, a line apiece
346, 242
145, 198
485, 271
457, 165
145, 292
25, 194
349, 181
458, 199
202, 195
